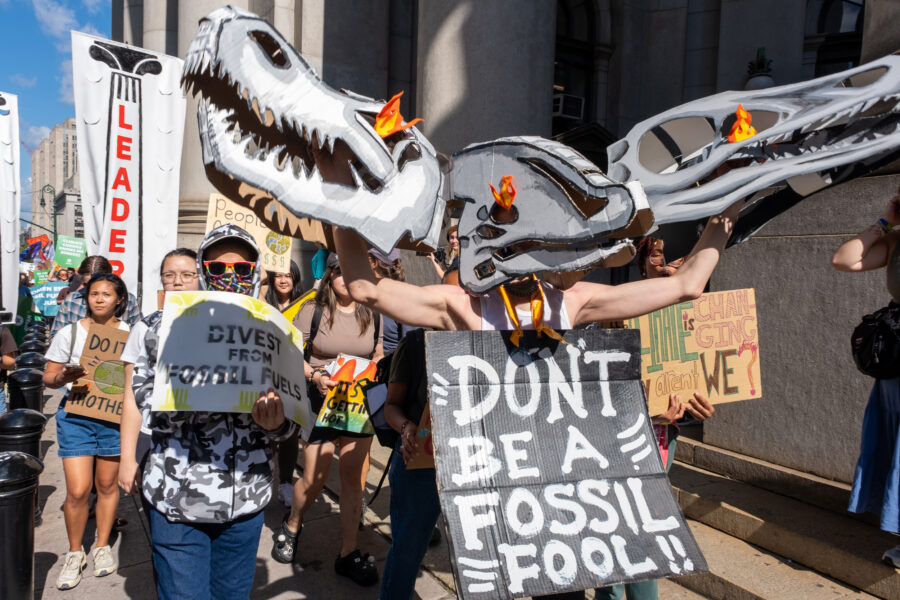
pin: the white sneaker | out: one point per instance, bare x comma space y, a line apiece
104, 561
286, 493
70, 575
892, 557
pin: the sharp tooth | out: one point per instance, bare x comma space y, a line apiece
314, 139
356, 177
328, 144
870, 103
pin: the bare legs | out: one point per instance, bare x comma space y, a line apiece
79, 479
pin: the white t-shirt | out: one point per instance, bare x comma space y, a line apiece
62, 341
135, 354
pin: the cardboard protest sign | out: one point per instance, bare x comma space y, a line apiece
99, 394
275, 247
218, 351
709, 345
548, 473
70, 251
344, 407
424, 459
44, 297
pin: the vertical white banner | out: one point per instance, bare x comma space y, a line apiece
129, 113
10, 197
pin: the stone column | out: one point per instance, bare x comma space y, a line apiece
195, 189
160, 26
283, 19
880, 32
485, 70
133, 22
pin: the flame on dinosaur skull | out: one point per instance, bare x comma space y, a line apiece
507, 194
742, 129
389, 120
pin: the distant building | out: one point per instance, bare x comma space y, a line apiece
55, 163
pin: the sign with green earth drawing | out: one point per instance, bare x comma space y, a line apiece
100, 393
218, 351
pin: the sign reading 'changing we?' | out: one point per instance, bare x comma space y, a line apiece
218, 351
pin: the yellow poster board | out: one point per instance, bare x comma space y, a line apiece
275, 247
709, 345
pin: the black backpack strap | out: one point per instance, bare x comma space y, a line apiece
313, 330
377, 317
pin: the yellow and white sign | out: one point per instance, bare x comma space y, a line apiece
275, 247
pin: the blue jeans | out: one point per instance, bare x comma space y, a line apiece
414, 512
2, 399
205, 561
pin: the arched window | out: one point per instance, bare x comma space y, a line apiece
836, 35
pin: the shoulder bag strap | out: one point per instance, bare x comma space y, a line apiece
313, 330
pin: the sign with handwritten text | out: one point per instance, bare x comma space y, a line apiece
100, 393
709, 345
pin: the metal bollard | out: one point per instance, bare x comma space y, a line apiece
33, 346
31, 360
18, 490
20, 431
26, 389
36, 336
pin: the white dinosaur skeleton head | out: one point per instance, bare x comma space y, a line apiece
270, 127
566, 216
810, 135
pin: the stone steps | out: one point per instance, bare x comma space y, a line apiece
833, 544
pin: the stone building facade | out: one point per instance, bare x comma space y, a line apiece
587, 71
55, 163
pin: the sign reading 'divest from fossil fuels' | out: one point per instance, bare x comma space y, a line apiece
218, 351
549, 475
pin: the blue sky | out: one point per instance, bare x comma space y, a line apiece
36, 64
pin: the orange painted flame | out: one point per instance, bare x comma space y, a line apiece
507, 194
389, 120
742, 129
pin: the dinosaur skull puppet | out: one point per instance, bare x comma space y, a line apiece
566, 216
809, 136
276, 138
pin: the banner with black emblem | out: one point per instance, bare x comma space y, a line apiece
9, 207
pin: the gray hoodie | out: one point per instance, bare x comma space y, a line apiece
206, 467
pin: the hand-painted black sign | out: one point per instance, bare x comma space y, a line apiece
549, 475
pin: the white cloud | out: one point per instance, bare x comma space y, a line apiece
22, 81
34, 134
66, 91
54, 18
90, 30
93, 6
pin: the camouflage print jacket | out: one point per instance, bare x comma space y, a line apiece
203, 467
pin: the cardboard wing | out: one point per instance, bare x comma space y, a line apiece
549, 476
100, 393
709, 345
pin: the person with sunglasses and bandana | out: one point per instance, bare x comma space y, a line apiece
208, 475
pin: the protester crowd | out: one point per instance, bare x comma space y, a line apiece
204, 499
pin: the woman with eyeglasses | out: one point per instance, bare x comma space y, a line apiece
208, 475
284, 290
86, 445
349, 328
178, 273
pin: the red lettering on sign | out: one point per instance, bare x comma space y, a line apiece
122, 122
117, 267
117, 240
120, 209
122, 179
123, 147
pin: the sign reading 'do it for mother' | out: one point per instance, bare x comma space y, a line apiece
549, 475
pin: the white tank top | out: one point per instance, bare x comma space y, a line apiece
494, 316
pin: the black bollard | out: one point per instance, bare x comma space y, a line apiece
18, 489
33, 346
36, 337
26, 389
31, 360
20, 431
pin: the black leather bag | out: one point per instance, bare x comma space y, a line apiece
876, 343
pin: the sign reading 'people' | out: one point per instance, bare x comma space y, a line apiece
549, 475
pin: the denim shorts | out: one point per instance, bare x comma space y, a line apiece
83, 436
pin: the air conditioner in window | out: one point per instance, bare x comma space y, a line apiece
568, 106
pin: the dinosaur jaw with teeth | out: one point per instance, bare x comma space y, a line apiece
276, 138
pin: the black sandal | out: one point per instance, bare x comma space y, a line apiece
358, 567
285, 543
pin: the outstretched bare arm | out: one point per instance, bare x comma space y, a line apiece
869, 249
591, 302
444, 307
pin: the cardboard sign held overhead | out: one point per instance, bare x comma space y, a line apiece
70, 251
218, 351
100, 393
709, 345
275, 247
549, 476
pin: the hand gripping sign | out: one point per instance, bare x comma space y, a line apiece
548, 471
218, 351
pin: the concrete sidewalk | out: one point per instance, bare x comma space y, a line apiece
311, 576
